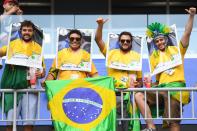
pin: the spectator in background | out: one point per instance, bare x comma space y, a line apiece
11, 7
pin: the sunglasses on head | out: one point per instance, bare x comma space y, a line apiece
75, 38
123, 41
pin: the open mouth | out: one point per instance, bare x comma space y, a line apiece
125, 45
26, 36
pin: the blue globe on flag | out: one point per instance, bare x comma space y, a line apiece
82, 105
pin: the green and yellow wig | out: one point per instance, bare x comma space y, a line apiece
157, 29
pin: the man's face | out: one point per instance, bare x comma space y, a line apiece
125, 43
75, 41
27, 33
160, 42
9, 5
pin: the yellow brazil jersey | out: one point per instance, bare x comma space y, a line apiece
178, 71
122, 76
19, 47
116, 55
68, 56
162, 57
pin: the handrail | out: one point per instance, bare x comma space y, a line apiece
122, 91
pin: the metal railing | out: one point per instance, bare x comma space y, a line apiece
122, 118
27, 92
157, 90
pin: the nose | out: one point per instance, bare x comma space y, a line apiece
159, 42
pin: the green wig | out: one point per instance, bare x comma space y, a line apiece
157, 29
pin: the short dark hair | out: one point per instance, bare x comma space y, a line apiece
125, 33
75, 31
28, 24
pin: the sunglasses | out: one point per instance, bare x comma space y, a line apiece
123, 41
75, 38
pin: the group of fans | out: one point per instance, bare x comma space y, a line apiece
173, 77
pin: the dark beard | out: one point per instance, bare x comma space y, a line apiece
26, 40
125, 50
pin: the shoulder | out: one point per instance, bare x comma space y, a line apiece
15, 43
63, 51
114, 51
154, 55
84, 52
172, 47
36, 44
135, 53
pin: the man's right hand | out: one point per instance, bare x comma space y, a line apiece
101, 21
13, 10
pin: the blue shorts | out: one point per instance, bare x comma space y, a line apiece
25, 110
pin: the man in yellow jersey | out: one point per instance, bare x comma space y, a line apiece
170, 78
115, 57
118, 60
15, 77
74, 55
124, 54
22, 46
160, 60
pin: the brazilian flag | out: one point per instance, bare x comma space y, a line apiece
82, 104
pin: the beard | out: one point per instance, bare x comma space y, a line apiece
125, 50
25, 39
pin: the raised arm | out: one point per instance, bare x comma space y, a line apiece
98, 36
188, 27
14, 10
